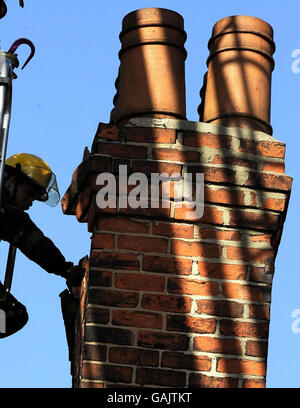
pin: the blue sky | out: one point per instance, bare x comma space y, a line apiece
58, 101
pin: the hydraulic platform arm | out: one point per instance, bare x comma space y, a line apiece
8, 61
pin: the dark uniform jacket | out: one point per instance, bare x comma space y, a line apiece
17, 228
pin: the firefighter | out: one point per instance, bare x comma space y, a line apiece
28, 178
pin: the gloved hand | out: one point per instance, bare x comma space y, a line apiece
74, 275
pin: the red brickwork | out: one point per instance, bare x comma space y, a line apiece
169, 300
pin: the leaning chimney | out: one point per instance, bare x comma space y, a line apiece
170, 298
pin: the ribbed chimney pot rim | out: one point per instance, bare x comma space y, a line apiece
249, 18
152, 23
241, 48
243, 31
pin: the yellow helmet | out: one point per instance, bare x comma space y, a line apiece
37, 170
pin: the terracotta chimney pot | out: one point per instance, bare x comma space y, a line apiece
240, 64
151, 78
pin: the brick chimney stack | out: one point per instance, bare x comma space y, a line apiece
168, 299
